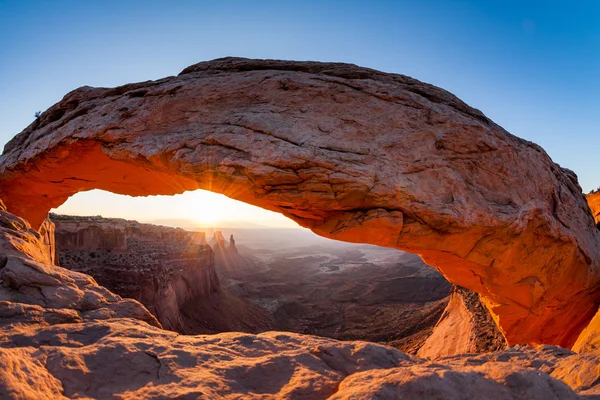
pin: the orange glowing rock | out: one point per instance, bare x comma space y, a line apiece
351, 153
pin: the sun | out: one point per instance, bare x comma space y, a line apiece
207, 208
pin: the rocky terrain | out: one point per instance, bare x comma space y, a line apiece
464, 327
351, 153
593, 200
63, 336
161, 267
346, 292
331, 289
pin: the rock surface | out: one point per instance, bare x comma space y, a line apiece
464, 327
589, 339
33, 291
351, 153
82, 341
593, 200
123, 357
161, 267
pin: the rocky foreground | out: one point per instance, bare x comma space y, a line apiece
63, 336
353, 154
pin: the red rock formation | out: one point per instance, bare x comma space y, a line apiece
161, 267
353, 154
229, 263
589, 340
232, 247
218, 241
464, 327
63, 336
48, 238
33, 291
593, 200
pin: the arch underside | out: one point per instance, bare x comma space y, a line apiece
351, 153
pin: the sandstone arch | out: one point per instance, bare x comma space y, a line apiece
351, 153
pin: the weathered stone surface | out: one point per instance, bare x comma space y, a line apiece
589, 339
35, 291
441, 382
159, 266
54, 350
593, 200
580, 371
464, 327
353, 154
122, 357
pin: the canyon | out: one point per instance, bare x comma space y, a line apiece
319, 287
63, 336
351, 153
160, 267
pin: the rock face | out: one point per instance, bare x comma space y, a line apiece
351, 153
123, 357
464, 327
589, 340
63, 336
161, 267
593, 200
33, 291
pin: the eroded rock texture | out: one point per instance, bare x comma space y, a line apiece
161, 267
589, 339
593, 200
63, 336
123, 357
33, 291
464, 327
353, 154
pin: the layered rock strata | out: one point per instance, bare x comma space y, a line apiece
63, 336
351, 153
34, 291
161, 267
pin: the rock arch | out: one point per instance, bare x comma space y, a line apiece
351, 153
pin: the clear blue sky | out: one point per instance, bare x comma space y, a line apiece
531, 66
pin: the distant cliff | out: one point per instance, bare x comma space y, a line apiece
230, 264
161, 267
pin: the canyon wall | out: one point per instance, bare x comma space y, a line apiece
351, 153
593, 200
161, 267
229, 263
36, 292
63, 336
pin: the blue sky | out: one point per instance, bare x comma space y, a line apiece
533, 67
